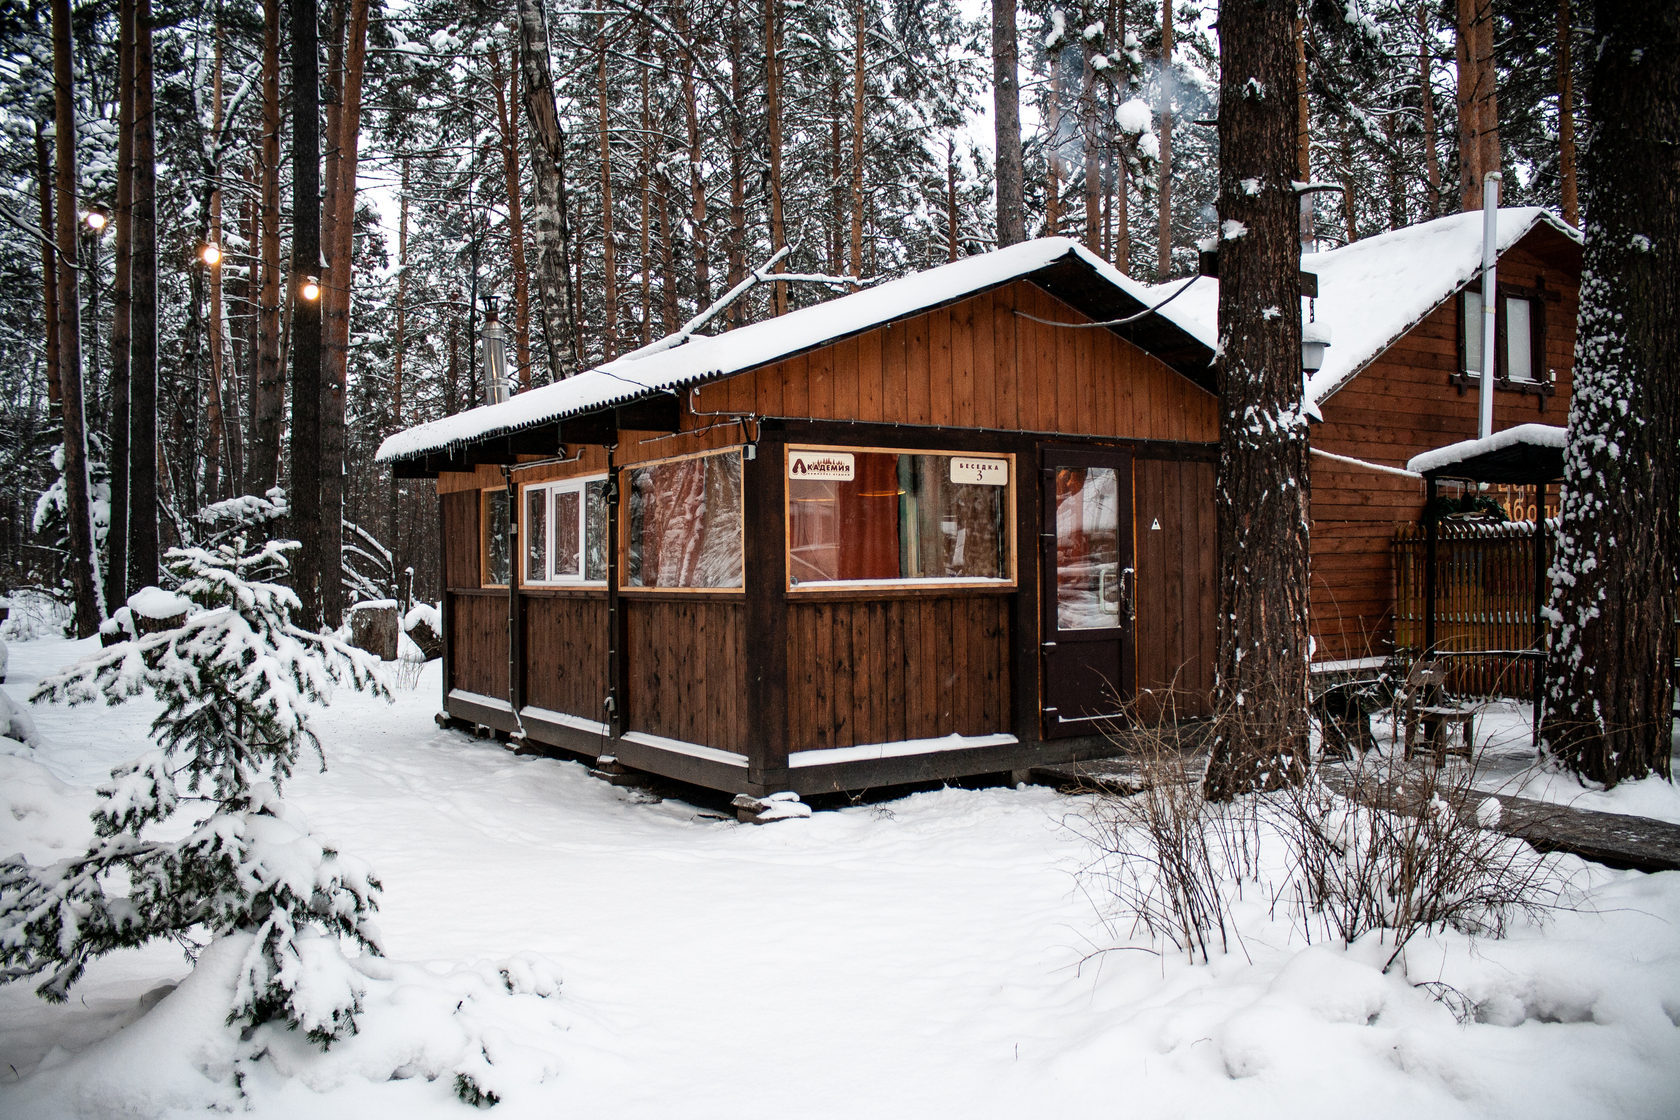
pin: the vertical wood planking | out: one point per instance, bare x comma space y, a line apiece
870, 391
985, 373
962, 363
1006, 359
941, 379
917, 360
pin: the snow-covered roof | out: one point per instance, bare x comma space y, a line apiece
653, 370
1373, 291
1503, 450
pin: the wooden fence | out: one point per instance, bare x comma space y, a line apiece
1484, 601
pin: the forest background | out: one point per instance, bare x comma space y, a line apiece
694, 141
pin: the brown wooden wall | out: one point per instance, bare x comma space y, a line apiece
478, 631
1177, 566
887, 670
1401, 405
687, 669
566, 651
461, 549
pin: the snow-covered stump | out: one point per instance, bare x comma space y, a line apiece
373, 628
763, 810
152, 610
424, 626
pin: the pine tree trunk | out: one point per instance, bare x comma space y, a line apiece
82, 564
644, 185
696, 182
306, 318
1006, 110
116, 432
951, 219
1052, 151
1093, 151
773, 125
268, 386
547, 211
1609, 665
609, 236
507, 123
214, 449
1478, 103
143, 320
1426, 96
400, 354
1566, 116
1163, 181
1260, 699
1303, 134
858, 121
737, 251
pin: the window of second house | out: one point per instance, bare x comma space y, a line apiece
565, 532
898, 516
1519, 334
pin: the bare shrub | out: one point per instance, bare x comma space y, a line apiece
1164, 855
1401, 850
1379, 847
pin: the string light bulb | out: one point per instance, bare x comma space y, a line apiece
211, 254
96, 219
311, 289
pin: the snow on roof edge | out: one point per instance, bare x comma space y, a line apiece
1531, 435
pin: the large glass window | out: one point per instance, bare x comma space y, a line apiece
1088, 573
683, 523
565, 532
880, 515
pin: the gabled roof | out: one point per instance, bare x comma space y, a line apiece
1373, 291
1062, 267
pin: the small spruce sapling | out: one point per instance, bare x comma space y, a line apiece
236, 680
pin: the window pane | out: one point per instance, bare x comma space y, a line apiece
899, 517
685, 523
1087, 548
595, 530
536, 536
495, 537
1472, 331
1519, 337
566, 529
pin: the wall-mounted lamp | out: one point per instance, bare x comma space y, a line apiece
1315, 340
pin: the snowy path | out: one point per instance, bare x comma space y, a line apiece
920, 957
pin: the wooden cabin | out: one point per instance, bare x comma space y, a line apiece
939, 527
1401, 377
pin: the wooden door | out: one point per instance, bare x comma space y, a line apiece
1088, 579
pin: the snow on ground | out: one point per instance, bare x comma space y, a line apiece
928, 956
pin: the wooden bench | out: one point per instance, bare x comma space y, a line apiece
1436, 725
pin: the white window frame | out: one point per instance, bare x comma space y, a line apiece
580, 486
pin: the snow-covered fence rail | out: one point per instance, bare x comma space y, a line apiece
1484, 601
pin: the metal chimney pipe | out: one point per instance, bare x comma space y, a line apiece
497, 386
1490, 301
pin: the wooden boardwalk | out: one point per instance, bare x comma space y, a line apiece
1612, 839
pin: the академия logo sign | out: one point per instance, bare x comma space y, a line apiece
820, 466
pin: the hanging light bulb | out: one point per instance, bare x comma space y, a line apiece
311, 289
96, 219
211, 254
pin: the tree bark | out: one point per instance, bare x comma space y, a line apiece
1092, 128
773, 125
696, 180
214, 444
401, 350
306, 316
859, 118
952, 221
547, 212
1006, 111
268, 385
1260, 699
609, 236
82, 564
1478, 102
1163, 180
1426, 96
507, 122
1566, 116
143, 320
1609, 680
737, 251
